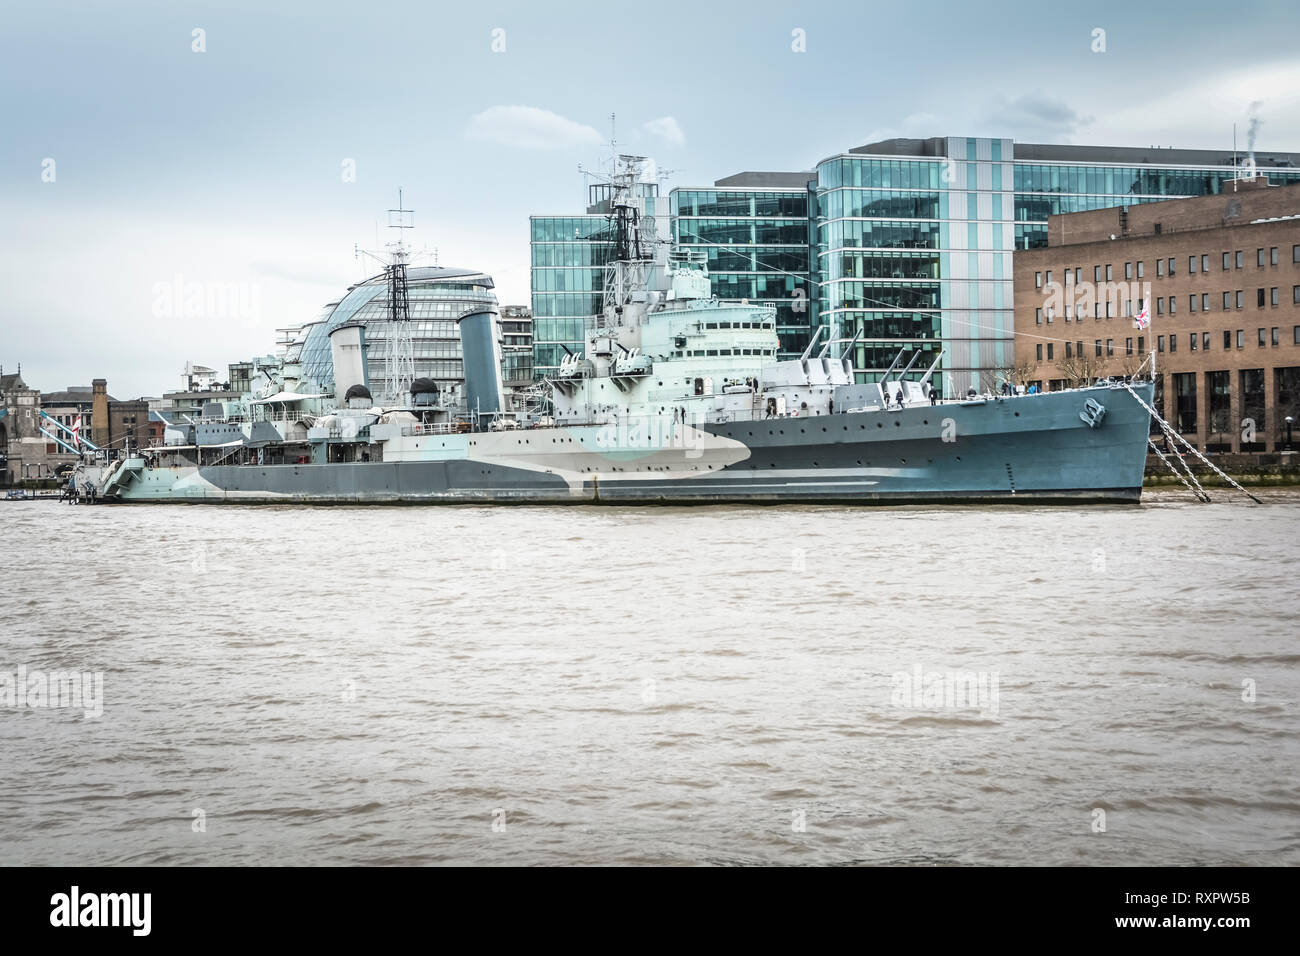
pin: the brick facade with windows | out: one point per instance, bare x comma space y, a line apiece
1222, 276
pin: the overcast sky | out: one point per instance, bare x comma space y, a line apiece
132, 164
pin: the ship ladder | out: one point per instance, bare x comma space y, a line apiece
1170, 432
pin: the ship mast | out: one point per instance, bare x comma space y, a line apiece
399, 370
634, 242
399, 355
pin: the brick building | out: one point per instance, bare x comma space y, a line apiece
1221, 275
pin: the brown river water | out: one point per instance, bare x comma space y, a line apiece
713, 685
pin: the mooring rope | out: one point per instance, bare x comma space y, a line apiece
1169, 431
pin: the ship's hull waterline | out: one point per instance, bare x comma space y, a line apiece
1023, 449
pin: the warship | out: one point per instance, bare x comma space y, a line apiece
676, 398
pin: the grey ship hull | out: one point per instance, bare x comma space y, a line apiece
1022, 449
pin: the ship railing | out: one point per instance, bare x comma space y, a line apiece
358, 434
434, 428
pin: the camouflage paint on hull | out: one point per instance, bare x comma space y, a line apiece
1023, 449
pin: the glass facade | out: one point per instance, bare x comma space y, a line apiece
758, 247
915, 255
912, 251
958, 218
436, 296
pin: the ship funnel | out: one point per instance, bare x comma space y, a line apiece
481, 348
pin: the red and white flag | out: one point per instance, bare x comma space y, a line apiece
76, 433
1144, 317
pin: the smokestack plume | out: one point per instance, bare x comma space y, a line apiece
1253, 129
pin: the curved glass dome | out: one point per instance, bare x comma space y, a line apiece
436, 295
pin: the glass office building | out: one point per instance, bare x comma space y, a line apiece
907, 242
915, 237
756, 230
436, 296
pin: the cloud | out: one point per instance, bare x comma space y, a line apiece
915, 126
1035, 115
666, 128
527, 127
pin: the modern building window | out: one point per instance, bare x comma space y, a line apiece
1038, 316
1128, 270
1240, 299
1191, 341
1295, 335
1251, 392
1191, 303
1108, 305
1295, 253
1160, 343
1096, 273
1227, 261
1185, 402
1171, 266
1038, 280
1049, 351
1239, 260
1261, 338
1227, 340
1220, 404
1272, 256
1295, 294
1227, 301
1067, 312
1275, 339
1099, 348
1173, 306
1272, 296
1078, 349
1259, 258
1078, 275
1128, 308
1110, 346
1241, 338
1173, 343
1141, 271
1259, 298
1205, 302
1142, 345
1205, 263
1128, 346
1191, 264
1049, 276
1039, 352
1160, 304
1110, 274
1205, 341
1069, 350
1160, 267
